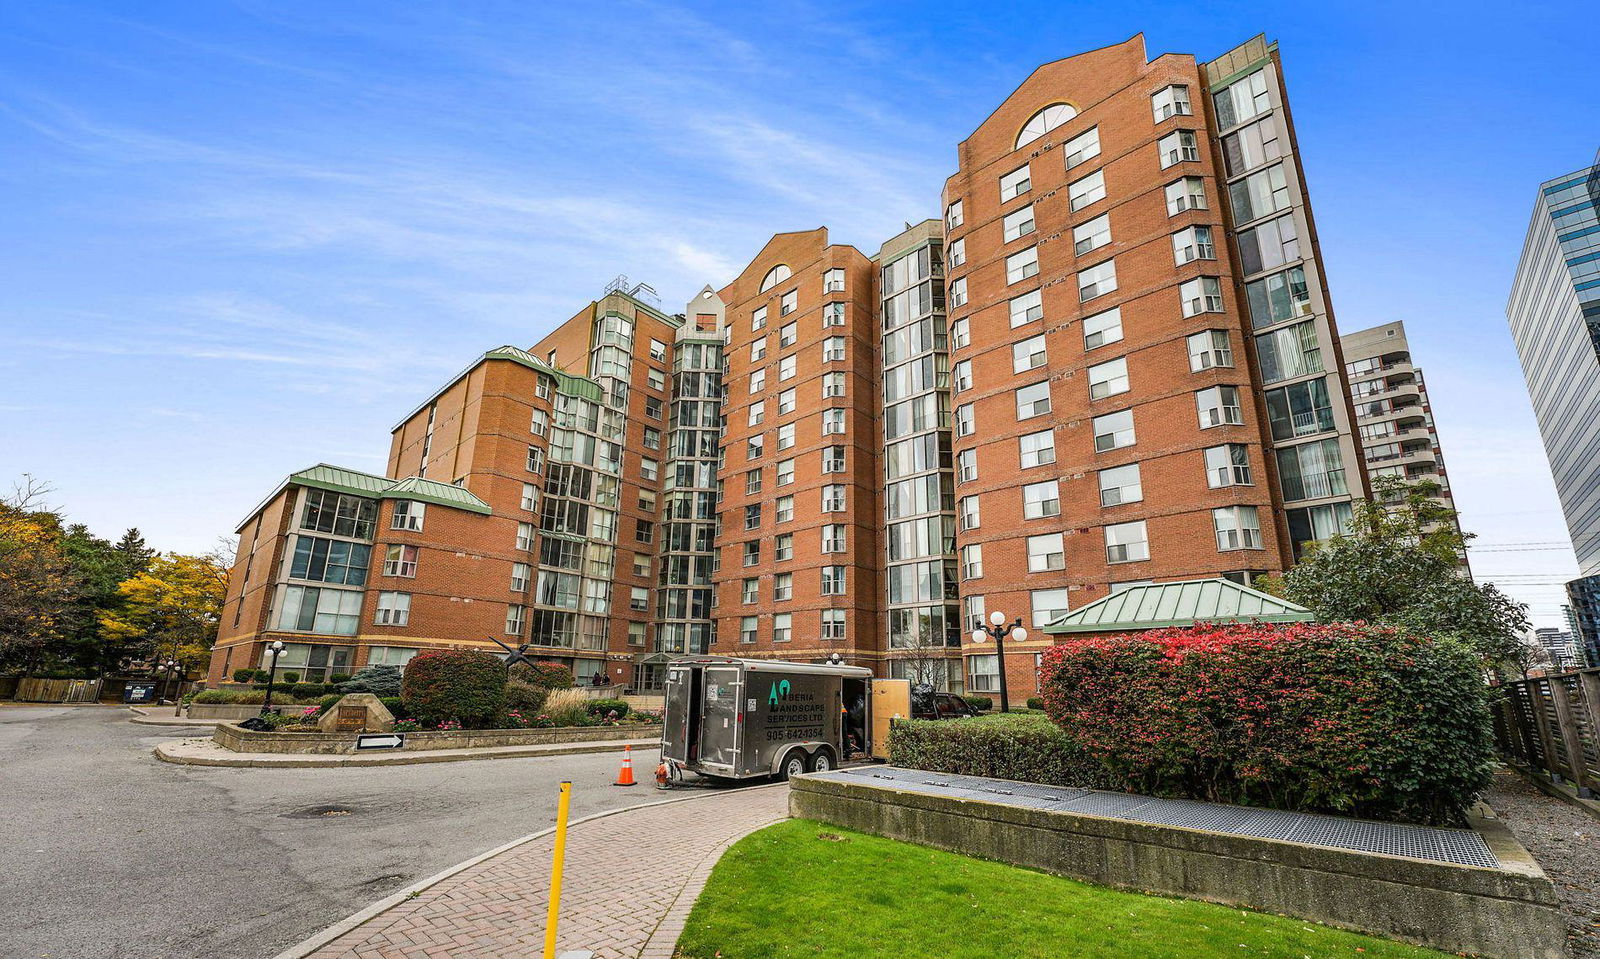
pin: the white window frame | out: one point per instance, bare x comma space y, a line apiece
1127, 542
1021, 265
1109, 378
1091, 235
1120, 485
1046, 553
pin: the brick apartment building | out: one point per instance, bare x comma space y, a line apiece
1112, 362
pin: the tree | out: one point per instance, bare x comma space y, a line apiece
924, 654
172, 609
36, 585
133, 557
1400, 564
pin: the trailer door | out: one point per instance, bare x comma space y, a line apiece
675, 716
720, 739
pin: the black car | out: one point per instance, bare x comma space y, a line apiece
928, 704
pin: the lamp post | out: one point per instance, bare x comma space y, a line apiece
166, 669
276, 649
999, 631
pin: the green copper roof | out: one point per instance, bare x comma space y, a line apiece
1178, 604
337, 479
565, 382
341, 480
433, 491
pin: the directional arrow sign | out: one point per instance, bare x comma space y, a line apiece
380, 741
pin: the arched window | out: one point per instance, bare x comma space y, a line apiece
775, 276
1044, 121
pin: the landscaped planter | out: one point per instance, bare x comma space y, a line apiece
233, 712
231, 736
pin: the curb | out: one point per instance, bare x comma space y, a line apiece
144, 717
307, 946
1562, 791
342, 760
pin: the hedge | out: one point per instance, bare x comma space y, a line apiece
465, 685
981, 703
600, 707
1026, 748
543, 675
525, 698
1346, 718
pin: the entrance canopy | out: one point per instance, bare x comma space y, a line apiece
1155, 605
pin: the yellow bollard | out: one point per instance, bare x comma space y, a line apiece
555, 872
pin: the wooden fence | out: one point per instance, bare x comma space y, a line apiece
58, 690
1552, 723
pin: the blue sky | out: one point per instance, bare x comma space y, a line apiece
242, 238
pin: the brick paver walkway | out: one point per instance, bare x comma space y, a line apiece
629, 882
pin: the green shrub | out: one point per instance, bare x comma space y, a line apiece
396, 708
380, 681
545, 675
337, 678
1347, 718
525, 698
291, 677
308, 690
981, 703
327, 702
262, 675
1022, 748
243, 675
600, 707
466, 685
1034, 702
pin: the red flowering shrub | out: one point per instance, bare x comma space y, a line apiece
545, 675
465, 685
1361, 720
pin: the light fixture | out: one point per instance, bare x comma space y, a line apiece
1019, 634
978, 635
997, 617
277, 646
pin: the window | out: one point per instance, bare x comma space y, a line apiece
788, 334
641, 565
644, 531
1018, 224
539, 422
1033, 400
524, 536
1028, 355
339, 514
833, 538
832, 384
1044, 121
832, 422
833, 314
1292, 351
1299, 409
652, 438
390, 655
530, 496
1113, 431
394, 609
541, 388
652, 407
983, 673
639, 599
786, 402
833, 498
1311, 470
636, 634
785, 436
1279, 297
656, 379
321, 610
833, 459
1049, 605
516, 619
1015, 183
1238, 527
1091, 235
1228, 465
966, 422
832, 351
758, 349
398, 560
833, 281
752, 516
1090, 189
1178, 147
1188, 193
1097, 280
833, 624
783, 547
758, 381
967, 465
786, 368
972, 561
1169, 102
535, 459
785, 472
1041, 500
788, 302
752, 482
1084, 146
1120, 485
1108, 379
747, 629
758, 319
755, 446
1024, 309
953, 216
1311, 524
1102, 328
333, 561
1036, 449
649, 469
1265, 191
783, 510
775, 276
1193, 244
521, 576
783, 587
1019, 267
658, 350
750, 590
1209, 349
974, 610
955, 254
833, 580
1219, 406
1251, 147
1045, 553
1242, 99
970, 512
752, 552
1203, 294
1127, 543
782, 627
1269, 246
960, 334
757, 412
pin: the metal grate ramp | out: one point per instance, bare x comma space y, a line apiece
1461, 847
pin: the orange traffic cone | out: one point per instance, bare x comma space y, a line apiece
625, 777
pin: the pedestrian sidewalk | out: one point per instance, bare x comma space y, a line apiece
631, 877
162, 716
206, 752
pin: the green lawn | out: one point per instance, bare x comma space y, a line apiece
803, 888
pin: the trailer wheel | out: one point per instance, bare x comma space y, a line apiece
822, 760
794, 763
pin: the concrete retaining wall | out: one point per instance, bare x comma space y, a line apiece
1509, 912
231, 736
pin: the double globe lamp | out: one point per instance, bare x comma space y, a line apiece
999, 630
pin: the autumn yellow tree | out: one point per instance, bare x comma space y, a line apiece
36, 585
173, 608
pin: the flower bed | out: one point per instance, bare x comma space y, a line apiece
231, 736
